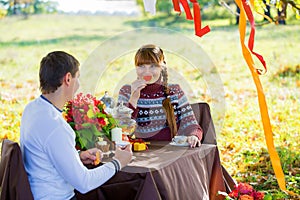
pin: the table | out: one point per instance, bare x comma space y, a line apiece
166, 172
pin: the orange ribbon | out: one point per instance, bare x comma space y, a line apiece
249, 14
275, 160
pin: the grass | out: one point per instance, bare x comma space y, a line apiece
240, 134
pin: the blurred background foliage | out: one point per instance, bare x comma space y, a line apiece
275, 10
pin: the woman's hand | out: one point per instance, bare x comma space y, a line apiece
193, 141
136, 88
89, 156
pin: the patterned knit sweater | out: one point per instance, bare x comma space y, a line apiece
150, 116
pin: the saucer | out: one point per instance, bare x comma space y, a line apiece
122, 144
186, 144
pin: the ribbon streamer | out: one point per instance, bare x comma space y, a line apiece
249, 14
176, 6
187, 10
197, 15
197, 21
275, 160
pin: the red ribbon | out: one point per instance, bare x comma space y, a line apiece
252, 35
197, 21
197, 15
187, 10
176, 6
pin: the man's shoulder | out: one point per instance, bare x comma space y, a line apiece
31, 105
39, 108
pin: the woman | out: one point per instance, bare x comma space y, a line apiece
160, 109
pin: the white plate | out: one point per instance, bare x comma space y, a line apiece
180, 145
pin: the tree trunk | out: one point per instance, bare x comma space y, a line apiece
282, 13
267, 12
15, 7
237, 18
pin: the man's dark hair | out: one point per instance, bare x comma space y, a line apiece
53, 68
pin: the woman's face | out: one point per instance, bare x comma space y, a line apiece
149, 72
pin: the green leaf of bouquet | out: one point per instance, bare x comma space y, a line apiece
268, 197
83, 142
86, 125
72, 124
101, 115
106, 131
85, 133
98, 134
93, 128
88, 135
112, 120
95, 131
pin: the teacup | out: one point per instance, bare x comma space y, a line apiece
122, 144
180, 139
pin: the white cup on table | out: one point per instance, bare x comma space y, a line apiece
179, 139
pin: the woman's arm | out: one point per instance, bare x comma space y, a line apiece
124, 97
187, 122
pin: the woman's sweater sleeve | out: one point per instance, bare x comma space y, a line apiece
187, 122
124, 96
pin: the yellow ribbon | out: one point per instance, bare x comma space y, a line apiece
275, 160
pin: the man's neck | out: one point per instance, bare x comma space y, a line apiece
57, 100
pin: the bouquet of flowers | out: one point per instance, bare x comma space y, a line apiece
243, 191
87, 117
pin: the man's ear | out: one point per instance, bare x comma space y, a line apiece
67, 78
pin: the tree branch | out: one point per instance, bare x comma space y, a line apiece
293, 4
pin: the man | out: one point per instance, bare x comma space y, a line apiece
53, 165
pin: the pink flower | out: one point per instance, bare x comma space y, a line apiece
78, 126
259, 195
96, 109
245, 188
89, 96
234, 194
246, 197
85, 118
244, 191
85, 108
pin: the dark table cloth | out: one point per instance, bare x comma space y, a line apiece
166, 172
